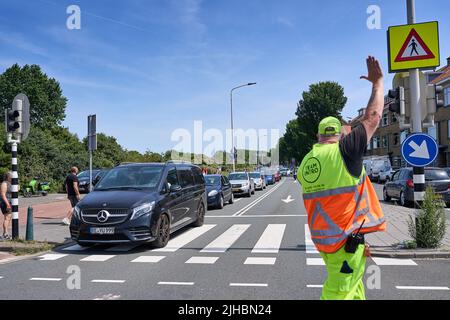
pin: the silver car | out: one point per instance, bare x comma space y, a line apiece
241, 183
260, 181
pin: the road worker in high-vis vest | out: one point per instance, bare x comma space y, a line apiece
340, 200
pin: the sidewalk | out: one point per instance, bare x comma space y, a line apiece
387, 244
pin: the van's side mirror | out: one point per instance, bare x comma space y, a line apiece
96, 180
175, 188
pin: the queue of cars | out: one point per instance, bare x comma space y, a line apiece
147, 202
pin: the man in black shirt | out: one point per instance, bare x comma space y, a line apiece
73, 194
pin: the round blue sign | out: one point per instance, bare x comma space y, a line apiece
419, 149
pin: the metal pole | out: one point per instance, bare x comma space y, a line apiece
14, 192
232, 131
416, 114
90, 170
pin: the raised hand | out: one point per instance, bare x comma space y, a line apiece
374, 70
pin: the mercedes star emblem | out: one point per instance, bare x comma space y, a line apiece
103, 215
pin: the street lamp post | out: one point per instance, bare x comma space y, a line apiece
232, 126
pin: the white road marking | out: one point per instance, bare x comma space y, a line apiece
1, 277
270, 240
176, 283
226, 239
109, 296
393, 262
45, 279
52, 256
202, 260
260, 216
314, 285
263, 261
125, 247
309, 244
148, 259
107, 281
421, 288
237, 200
75, 247
258, 200
248, 284
97, 258
184, 238
315, 262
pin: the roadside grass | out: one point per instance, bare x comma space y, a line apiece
22, 247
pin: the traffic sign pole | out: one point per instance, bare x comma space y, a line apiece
416, 113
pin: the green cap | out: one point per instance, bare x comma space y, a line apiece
330, 126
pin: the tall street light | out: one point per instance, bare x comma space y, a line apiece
232, 125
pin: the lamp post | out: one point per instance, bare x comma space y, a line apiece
232, 125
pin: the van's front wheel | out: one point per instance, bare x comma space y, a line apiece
163, 232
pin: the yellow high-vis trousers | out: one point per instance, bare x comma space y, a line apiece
345, 273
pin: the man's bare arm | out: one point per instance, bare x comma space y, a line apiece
375, 106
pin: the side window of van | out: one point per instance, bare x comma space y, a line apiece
198, 176
172, 178
186, 178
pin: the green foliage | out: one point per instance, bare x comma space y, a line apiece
429, 228
45, 95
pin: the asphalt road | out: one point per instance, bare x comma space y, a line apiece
253, 249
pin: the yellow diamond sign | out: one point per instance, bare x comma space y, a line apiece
413, 46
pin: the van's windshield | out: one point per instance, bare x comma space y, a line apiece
131, 178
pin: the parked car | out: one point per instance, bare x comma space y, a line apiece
258, 178
141, 202
277, 175
386, 175
218, 189
83, 180
402, 185
241, 183
268, 176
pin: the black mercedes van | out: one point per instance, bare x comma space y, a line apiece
141, 202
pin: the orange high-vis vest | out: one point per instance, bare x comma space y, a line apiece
336, 202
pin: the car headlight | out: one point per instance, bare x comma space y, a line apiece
77, 212
212, 193
142, 209
245, 184
82, 183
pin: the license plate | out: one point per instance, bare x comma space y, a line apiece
236, 189
102, 230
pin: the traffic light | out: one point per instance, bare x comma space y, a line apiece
398, 96
13, 120
433, 101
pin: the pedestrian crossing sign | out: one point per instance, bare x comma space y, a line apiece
413, 46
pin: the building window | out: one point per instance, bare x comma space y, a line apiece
403, 135
394, 118
434, 132
447, 96
384, 141
396, 139
376, 142
448, 129
385, 120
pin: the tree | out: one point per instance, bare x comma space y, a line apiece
292, 143
109, 153
46, 100
322, 100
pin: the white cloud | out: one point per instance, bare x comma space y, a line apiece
18, 41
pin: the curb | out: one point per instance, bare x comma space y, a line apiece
409, 254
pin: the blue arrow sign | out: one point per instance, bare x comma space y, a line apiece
419, 149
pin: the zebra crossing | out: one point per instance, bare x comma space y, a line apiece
265, 250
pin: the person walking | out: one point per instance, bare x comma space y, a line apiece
5, 203
340, 200
73, 194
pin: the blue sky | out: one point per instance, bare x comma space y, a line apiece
148, 67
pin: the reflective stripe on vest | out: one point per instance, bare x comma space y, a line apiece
334, 234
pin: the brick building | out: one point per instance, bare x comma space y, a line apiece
388, 137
